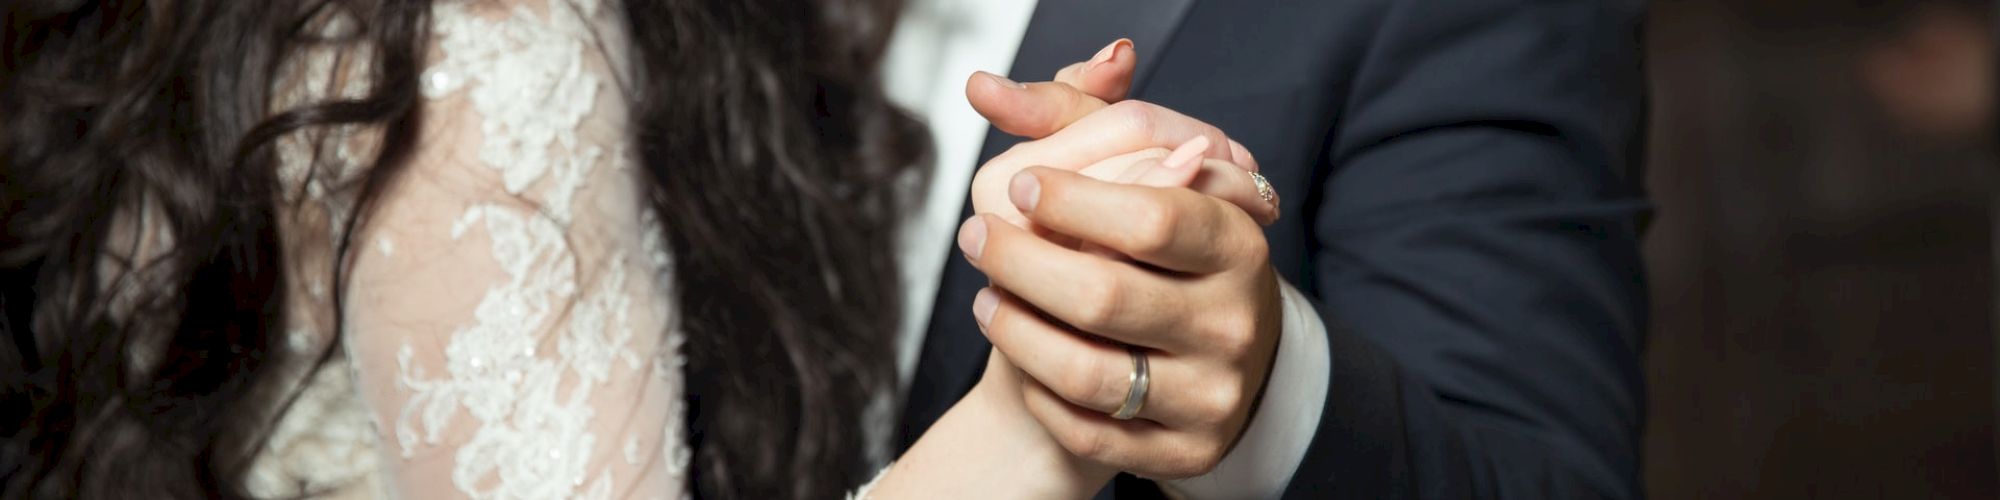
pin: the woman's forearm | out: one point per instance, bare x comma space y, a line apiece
988, 447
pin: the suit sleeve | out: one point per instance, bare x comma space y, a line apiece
1477, 257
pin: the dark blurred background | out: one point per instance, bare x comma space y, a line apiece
1822, 259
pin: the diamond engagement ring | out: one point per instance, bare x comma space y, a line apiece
1263, 187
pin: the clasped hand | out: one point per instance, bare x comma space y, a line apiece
1122, 224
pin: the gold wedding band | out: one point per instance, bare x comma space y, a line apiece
1135, 394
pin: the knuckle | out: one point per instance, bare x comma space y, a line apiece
1083, 441
1135, 116
1100, 307
1153, 228
1256, 249
1216, 407
1127, 109
1231, 331
1085, 381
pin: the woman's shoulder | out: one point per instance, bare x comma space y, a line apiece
512, 90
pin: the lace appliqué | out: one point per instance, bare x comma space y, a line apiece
525, 76
528, 81
564, 379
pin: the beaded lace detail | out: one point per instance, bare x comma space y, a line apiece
508, 333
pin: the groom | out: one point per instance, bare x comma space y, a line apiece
1450, 307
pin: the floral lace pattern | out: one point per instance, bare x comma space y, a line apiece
508, 334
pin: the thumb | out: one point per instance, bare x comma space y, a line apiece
1036, 110
1107, 75
1031, 110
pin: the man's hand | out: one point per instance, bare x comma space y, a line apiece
1181, 273
1201, 300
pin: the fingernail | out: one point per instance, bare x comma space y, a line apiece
1004, 81
972, 237
983, 306
1026, 191
1187, 153
1107, 54
1237, 150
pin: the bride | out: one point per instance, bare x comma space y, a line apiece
458, 248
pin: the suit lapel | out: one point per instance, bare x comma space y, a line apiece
1060, 32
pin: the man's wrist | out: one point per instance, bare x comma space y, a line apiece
1276, 439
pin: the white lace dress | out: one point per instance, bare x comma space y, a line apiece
508, 329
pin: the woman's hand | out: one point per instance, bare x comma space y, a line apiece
1081, 122
989, 445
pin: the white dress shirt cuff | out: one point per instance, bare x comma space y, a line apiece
1276, 439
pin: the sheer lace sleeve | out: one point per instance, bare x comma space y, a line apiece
508, 323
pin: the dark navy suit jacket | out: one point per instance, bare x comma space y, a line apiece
1462, 203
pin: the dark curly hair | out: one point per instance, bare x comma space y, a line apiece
763, 130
